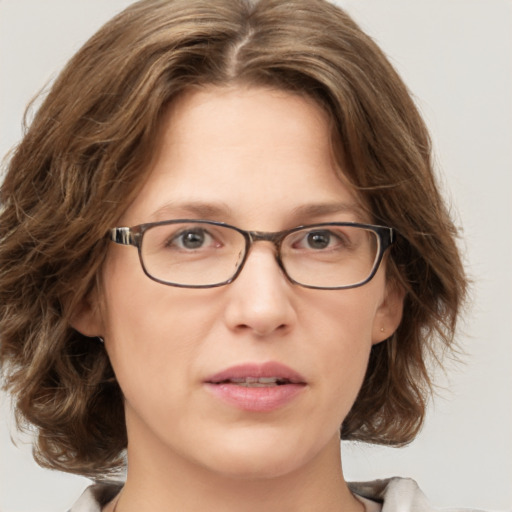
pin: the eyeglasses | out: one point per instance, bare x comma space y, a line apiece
205, 254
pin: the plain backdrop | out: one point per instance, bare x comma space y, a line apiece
456, 57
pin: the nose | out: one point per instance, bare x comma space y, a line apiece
260, 300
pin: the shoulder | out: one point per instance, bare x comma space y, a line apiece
96, 496
397, 493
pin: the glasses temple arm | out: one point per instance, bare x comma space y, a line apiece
121, 236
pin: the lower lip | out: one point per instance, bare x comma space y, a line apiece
256, 399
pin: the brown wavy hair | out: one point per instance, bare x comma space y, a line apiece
81, 162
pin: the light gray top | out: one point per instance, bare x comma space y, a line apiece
390, 495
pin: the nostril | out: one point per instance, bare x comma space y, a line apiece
265, 330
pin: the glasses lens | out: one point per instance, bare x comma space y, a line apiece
192, 253
330, 256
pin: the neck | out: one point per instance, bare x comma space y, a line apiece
168, 482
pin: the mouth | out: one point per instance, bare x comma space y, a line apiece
256, 388
257, 382
257, 375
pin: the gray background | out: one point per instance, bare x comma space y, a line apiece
456, 56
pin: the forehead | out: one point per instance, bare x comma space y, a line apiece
247, 152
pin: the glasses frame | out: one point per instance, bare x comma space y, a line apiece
134, 235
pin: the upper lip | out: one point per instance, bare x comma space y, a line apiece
255, 370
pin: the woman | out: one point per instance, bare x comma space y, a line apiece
293, 264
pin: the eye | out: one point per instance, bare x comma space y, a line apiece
318, 240
191, 239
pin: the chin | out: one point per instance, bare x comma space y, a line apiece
257, 467
257, 457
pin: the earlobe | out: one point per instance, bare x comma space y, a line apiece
389, 314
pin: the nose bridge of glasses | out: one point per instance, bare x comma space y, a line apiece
265, 236
275, 238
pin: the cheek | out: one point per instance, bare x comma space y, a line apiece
152, 332
343, 319
343, 326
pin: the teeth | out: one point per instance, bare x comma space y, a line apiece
268, 380
257, 382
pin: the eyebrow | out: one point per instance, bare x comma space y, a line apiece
321, 209
216, 211
198, 209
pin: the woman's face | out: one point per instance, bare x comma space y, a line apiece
258, 159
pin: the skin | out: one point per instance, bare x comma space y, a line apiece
187, 450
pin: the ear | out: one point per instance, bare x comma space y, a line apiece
86, 317
389, 314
